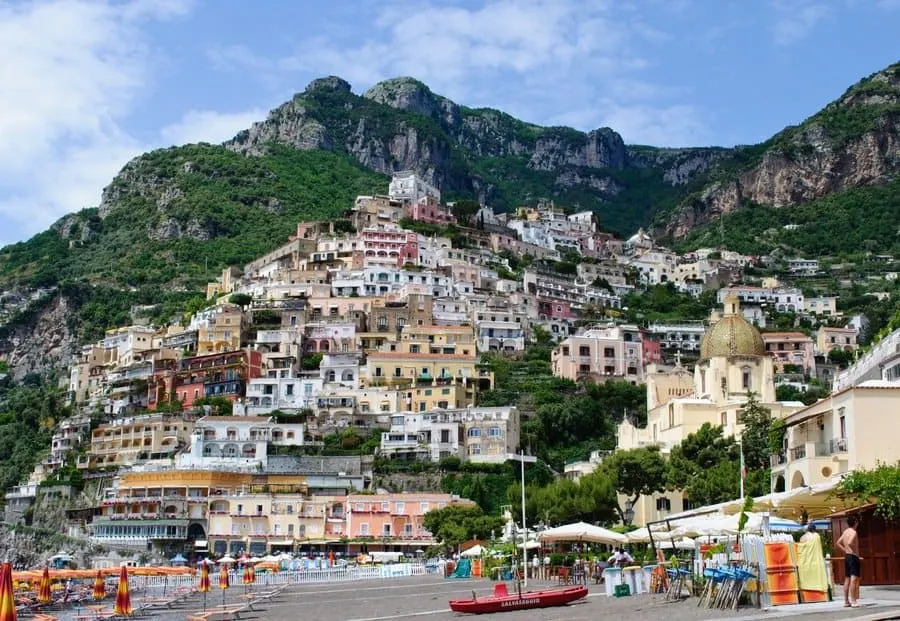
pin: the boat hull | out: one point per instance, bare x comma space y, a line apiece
531, 599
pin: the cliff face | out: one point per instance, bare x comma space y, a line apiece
853, 142
400, 124
43, 342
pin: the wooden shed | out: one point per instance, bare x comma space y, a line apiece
879, 546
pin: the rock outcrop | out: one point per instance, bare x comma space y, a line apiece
853, 142
43, 341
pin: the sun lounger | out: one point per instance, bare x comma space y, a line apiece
219, 614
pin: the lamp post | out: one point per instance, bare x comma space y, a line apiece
628, 514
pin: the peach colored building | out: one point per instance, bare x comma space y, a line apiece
398, 517
791, 348
609, 352
828, 338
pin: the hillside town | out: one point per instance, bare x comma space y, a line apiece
236, 431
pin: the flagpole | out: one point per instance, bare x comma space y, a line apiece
741, 447
524, 529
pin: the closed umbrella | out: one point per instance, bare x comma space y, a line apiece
99, 587
204, 581
223, 581
44, 595
123, 597
7, 600
249, 575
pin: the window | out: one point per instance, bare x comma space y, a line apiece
584, 350
290, 530
289, 509
474, 433
663, 504
609, 352
494, 432
399, 507
565, 350
745, 378
724, 419
423, 507
289, 389
364, 529
387, 530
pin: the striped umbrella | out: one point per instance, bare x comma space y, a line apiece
44, 596
249, 574
99, 587
123, 597
204, 578
223, 581
7, 600
223, 578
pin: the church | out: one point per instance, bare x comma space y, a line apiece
733, 361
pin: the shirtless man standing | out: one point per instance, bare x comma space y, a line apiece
849, 545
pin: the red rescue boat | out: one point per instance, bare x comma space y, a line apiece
503, 601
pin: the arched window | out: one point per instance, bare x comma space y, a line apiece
746, 378
329, 377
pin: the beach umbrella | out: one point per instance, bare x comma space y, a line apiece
226, 560
582, 532
204, 581
123, 597
7, 599
44, 589
99, 587
249, 575
223, 581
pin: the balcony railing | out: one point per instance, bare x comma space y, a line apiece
778, 459
798, 452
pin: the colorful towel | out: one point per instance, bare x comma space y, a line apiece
811, 565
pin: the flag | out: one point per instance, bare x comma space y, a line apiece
99, 587
123, 597
7, 600
44, 589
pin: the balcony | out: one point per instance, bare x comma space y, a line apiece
777, 460
798, 452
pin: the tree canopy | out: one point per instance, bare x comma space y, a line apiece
880, 485
455, 524
705, 466
634, 473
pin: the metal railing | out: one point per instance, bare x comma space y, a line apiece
798, 452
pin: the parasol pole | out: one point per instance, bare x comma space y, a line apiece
524, 528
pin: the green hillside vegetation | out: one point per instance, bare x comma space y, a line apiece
224, 193
865, 217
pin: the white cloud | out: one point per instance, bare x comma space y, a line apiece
72, 72
547, 62
796, 19
209, 126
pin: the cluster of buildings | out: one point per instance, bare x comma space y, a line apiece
208, 432
831, 437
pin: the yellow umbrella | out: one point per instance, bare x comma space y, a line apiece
123, 597
7, 599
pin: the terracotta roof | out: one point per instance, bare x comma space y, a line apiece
830, 329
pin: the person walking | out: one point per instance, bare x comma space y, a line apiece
848, 543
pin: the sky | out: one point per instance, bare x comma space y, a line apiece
86, 85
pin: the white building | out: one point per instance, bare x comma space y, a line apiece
288, 394
238, 441
408, 186
481, 435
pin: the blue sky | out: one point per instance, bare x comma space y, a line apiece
85, 85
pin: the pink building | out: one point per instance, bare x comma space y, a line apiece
395, 517
430, 211
791, 348
397, 247
600, 354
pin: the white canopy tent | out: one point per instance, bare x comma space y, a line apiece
582, 532
475, 550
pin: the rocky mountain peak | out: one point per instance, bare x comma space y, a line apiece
329, 83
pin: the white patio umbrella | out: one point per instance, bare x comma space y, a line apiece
475, 550
642, 535
582, 532
530, 545
269, 558
679, 544
284, 556
254, 559
226, 560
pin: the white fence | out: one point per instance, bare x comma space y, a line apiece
300, 576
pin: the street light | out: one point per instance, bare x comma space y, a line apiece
628, 515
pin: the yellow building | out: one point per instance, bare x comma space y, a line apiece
141, 438
220, 330
840, 433
733, 361
438, 340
